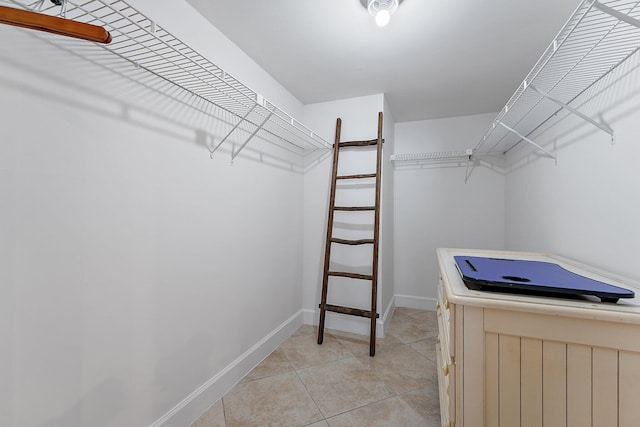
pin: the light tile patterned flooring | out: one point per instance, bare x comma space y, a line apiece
337, 384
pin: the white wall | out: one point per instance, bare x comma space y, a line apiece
387, 259
588, 206
133, 268
435, 208
359, 122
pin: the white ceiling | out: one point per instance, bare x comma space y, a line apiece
436, 58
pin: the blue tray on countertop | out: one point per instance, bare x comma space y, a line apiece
532, 277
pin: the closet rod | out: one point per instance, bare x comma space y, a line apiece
53, 24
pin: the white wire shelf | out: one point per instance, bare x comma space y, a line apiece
453, 155
598, 37
436, 158
167, 61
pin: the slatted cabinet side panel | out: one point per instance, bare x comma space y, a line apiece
554, 384
578, 385
518, 382
629, 388
473, 358
509, 380
605, 387
534, 383
531, 376
525, 381
492, 390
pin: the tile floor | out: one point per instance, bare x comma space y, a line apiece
337, 384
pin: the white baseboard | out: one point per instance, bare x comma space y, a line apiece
194, 405
421, 303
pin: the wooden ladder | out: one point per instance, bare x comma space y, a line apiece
373, 277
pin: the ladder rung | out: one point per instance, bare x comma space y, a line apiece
358, 143
351, 275
355, 208
352, 242
349, 310
365, 175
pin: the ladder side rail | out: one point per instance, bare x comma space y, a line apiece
327, 251
376, 241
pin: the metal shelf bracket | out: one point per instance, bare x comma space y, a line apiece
601, 126
469, 169
524, 138
244, 144
598, 37
63, 10
619, 15
242, 120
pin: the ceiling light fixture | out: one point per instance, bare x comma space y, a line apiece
381, 9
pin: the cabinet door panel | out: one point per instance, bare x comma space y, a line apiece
531, 387
473, 368
578, 385
605, 387
491, 379
629, 407
554, 384
509, 380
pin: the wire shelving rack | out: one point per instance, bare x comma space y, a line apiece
147, 46
597, 38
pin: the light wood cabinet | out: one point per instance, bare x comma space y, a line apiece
516, 360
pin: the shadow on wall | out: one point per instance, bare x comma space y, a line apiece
90, 79
466, 168
98, 407
600, 102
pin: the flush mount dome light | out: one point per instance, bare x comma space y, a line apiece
381, 9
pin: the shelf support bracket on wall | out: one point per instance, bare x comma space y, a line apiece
63, 3
528, 140
616, 14
232, 130
601, 126
469, 169
244, 144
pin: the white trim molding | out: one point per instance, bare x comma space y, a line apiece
194, 405
410, 301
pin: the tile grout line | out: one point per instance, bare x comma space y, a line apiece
324, 418
393, 394
303, 384
354, 356
351, 354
